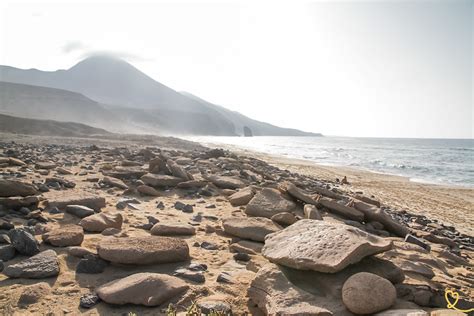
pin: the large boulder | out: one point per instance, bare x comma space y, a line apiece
143, 250
241, 197
160, 180
149, 289
24, 242
43, 265
68, 235
253, 228
91, 201
267, 203
321, 246
16, 188
172, 229
99, 222
367, 293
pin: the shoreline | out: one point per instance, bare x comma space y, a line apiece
399, 192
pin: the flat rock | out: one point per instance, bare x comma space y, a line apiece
91, 201
115, 182
67, 235
226, 182
160, 180
321, 246
43, 265
367, 293
267, 203
143, 250
79, 252
17, 202
246, 246
403, 312
24, 242
342, 210
149, 289
10, 188
172, 229
299, 194
47, 165
241, 197
253, 228
99, 222
147, 190
79, 210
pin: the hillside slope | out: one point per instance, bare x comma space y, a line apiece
18, 125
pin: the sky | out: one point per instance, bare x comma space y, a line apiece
352, 68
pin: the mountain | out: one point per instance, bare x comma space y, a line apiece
46, 103
18, 125
140, 100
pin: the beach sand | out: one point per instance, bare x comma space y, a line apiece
451, 205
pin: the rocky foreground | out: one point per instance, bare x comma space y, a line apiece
153, 230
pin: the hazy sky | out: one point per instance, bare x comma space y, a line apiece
357, 68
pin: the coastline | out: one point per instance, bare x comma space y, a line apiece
451, 205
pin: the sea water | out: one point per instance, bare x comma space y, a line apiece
439, 161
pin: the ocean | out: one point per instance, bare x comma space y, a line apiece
437, 161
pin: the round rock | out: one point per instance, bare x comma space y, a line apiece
367, 293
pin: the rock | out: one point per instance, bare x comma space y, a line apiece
208, 307
253, 228
224, 277
79, 252
17, 202
147, 190
79, 210
284, 218
24, 242
7, 252
342, 210
300, 194
115, 182
45, 165
111, 231
43, 265
240, 256
91, 264
373, 213
367, 293
4, 225
160, 180
414, 240
195, 276
93, 202
125, 172
225, 182
246, 246
177, 170
242, 197
209, 246
64, 171
311, 212
267, 203
276, 295
172, 229
321, 246
68, 235
33, 293
143, 250
16, 162
89, 300
101, 221
10, 188
191, 184
4, 239
149, 289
